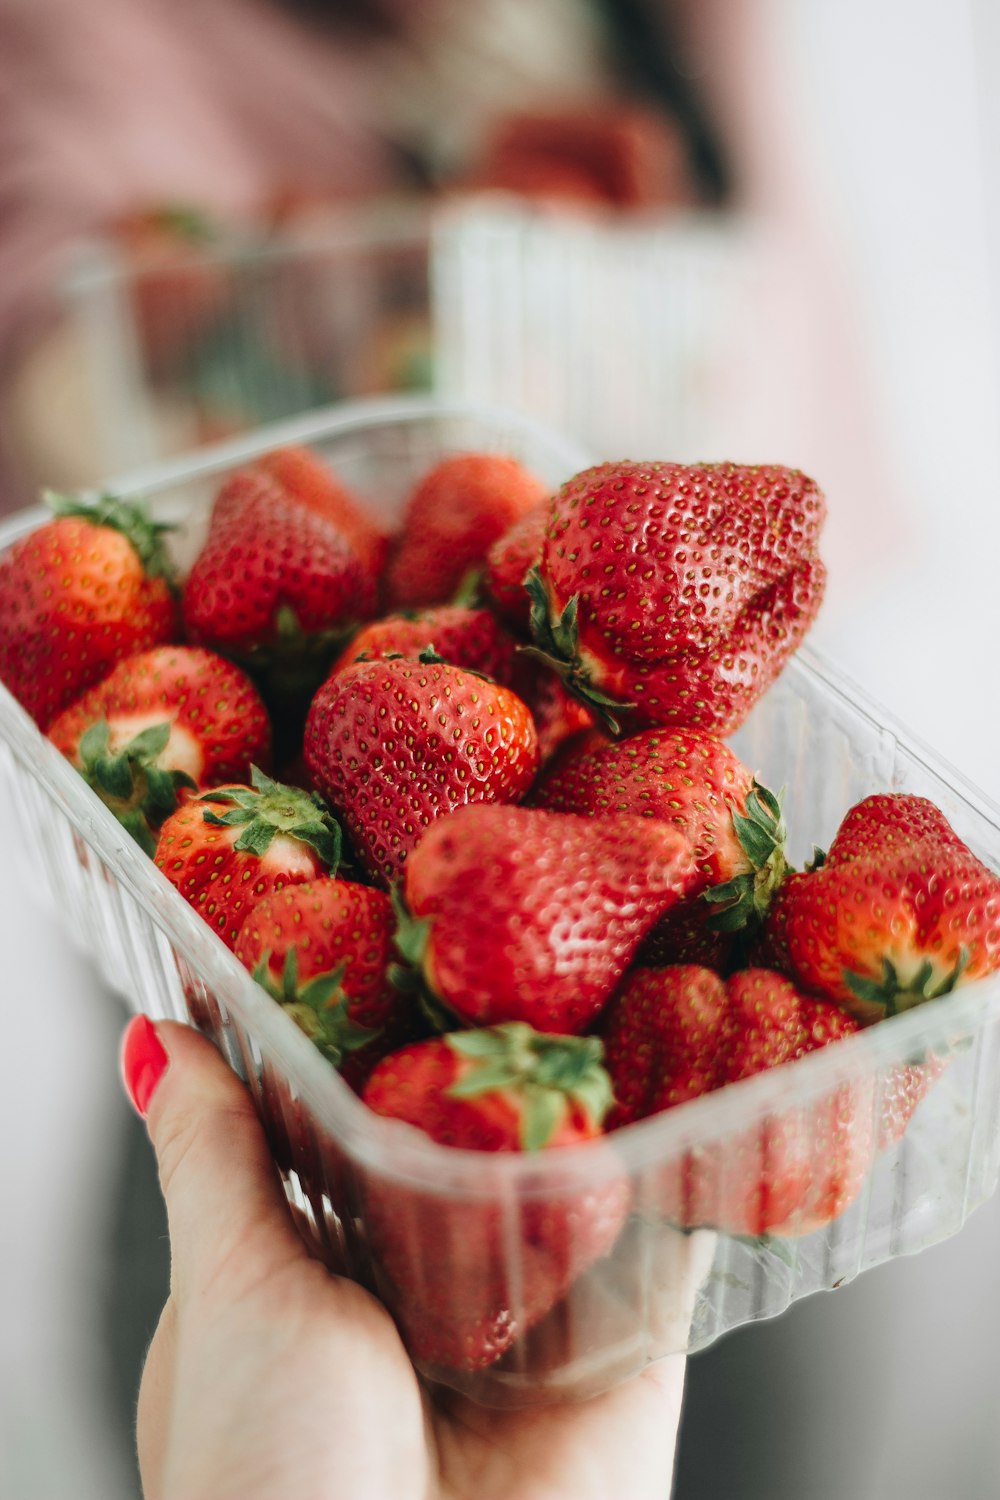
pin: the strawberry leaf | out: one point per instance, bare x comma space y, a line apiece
544, 1072
268, 808
556, 643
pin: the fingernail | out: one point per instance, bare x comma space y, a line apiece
143, 1061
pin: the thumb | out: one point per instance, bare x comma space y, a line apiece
226, 1210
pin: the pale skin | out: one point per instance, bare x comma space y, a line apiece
269, 1377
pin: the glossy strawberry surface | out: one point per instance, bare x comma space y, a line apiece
395, 744
676, 593
452, 517
76, 595
534, 916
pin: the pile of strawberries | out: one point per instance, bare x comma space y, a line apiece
460, 800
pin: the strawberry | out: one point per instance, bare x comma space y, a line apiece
469, 638
900, 912
323, 949
510, 560
466, 1279
670, 594
519, 915
76, 595
395, 744
162, 721
452, 518
276, 585
179, 289
622, 156
674, 1034
694, 781
234, 845
303, 475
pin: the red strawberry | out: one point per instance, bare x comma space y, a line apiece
510, 560
673, 594
395, 744
452, 518
622, 156
900, 912
675, 1034
234, 845
76, 595
178, 288
469, 638
323, 949
694, 781
166, 719
518, 915
304, 476
465, 1279
275, 584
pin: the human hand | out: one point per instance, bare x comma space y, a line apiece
267, 1376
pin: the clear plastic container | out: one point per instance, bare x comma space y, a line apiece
615, 328
574, 1247
250, 327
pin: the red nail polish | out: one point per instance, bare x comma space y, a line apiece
143, 1061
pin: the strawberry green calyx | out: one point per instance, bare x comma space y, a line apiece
895, 996
557, 644
141, 793
545, 1072
411, 937
318, 1006
129, 517
185, 221
267, 808
743, 901
295, 661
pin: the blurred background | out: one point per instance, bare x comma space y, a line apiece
694, 229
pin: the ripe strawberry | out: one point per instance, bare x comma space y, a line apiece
452, 518
164, 720
395, 744
900, 912
76, 595
234, 845
179, 290
673, 594
465, 1279
510, 560
275, 585
694, 781
304, 476
323, 950
621, 156
469, 638
675, 1034
518, 915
